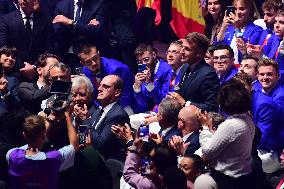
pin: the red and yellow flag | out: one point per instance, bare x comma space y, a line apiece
186, 15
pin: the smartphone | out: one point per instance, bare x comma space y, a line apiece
144, 132
145, 165
60, 87
79, 71
82, 133
142, 68
230, 9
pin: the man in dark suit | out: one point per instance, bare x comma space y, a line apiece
109, 114
95, 67
188, 125
7, 6
78, 22
200, 83
27, 30
167, 117
32, 94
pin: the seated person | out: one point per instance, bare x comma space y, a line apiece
152, 83
238, 28
223, 57
82, 104
28, 165
193, 166
189, 126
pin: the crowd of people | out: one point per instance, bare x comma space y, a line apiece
84, 105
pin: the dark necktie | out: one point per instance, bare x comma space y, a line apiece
79, 9
98, 118
28, 31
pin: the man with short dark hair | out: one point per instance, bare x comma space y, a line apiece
96, 67
167, 117
223, 57
152, 83
200, 83
32, 94
110, 113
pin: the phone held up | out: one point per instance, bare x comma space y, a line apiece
141, 68
144, 132
230, 9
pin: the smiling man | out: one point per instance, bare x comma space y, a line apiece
96, 67
223, 57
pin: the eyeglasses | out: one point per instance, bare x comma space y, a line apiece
90, 61
144, 60
222, 58
174, 52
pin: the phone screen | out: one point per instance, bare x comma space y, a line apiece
82, 133
144, 132
141, 68
60, 87
145, 165
230, 9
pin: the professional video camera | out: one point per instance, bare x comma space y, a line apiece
59, 101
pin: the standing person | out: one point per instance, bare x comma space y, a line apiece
200, 83
76, 23
231, 165
29, 166
27, 30
110, 113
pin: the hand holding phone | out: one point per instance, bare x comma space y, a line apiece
82, 133
142, 68
144, 132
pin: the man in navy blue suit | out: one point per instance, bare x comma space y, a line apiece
188, 125
167, 117
110, 113
77, 22
200, 83
27, 30
96, 67
152, 83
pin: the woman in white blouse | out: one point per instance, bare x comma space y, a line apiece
228, 150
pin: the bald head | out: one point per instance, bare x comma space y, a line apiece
188, 121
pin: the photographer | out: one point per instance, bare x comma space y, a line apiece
162, 157
29, 166
32, 94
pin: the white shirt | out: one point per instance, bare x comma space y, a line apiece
165, 131
105, 111
76, 8
25, 19
185, 137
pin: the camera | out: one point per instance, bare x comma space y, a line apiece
59, 101
141, 68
